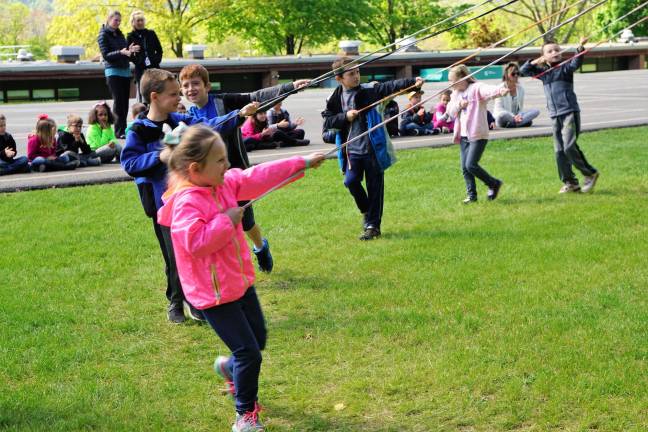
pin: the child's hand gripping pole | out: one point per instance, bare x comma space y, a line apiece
313, 160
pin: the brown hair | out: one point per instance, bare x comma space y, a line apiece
340, 63
44, 132
194, 70
446, 92
459, 72
258, 124
548, 42
507, 66
74, 119
137, 108
3, 118
154, 80
195, 144
94, 119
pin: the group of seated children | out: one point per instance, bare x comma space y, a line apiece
65, 148
272, 129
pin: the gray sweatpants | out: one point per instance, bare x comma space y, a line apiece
566, 129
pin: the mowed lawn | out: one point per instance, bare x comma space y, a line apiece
529, 313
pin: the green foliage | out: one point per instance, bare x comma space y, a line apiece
616, 8
287, 26
77, 23
389, 20
13, 23
176, 22
524, 314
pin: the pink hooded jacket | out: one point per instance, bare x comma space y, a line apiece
212, 255
478, 95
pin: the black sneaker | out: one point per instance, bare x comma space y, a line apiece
175, 313
494, 191
194, 313
370, 233
264, 257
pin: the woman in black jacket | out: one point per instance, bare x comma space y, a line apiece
150, 53
116, 53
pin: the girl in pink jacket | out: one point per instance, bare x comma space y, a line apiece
258, 134
468, 107
212, 255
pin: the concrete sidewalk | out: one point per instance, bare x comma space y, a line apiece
607, 100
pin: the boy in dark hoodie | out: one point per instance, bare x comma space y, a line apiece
370, 155
141, 159
558, 82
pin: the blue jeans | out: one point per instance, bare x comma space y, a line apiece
241, 326
369, 202
416, 129
506, 120
60, 163
19, 165
471, 153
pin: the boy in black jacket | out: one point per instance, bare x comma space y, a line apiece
72, 143
9, 163
370, 155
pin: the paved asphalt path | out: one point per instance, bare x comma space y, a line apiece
607, 100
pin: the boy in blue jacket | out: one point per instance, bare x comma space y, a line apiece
558, 84
194, 80
141, 159
370, 155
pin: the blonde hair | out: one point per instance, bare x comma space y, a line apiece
196, 143
134, 15
74, 119
44, 132
459, 72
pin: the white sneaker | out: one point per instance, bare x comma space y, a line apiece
589, 182
569, 187
249, 422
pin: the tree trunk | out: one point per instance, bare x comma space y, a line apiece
176, 46
290, 44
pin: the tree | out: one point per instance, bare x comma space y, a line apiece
484, 32
13, 23
178, 20
77, 24
287, 26
535, 10
175, 21
390, 20
616, 8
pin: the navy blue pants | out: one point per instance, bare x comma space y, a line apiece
241, 326
369, 202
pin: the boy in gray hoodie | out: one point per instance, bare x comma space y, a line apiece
558, 81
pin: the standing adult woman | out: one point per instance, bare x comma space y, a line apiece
116, 54
509, 109
150, 53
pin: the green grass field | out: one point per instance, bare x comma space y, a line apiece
529, 313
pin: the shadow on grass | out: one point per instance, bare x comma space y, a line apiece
299, 421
